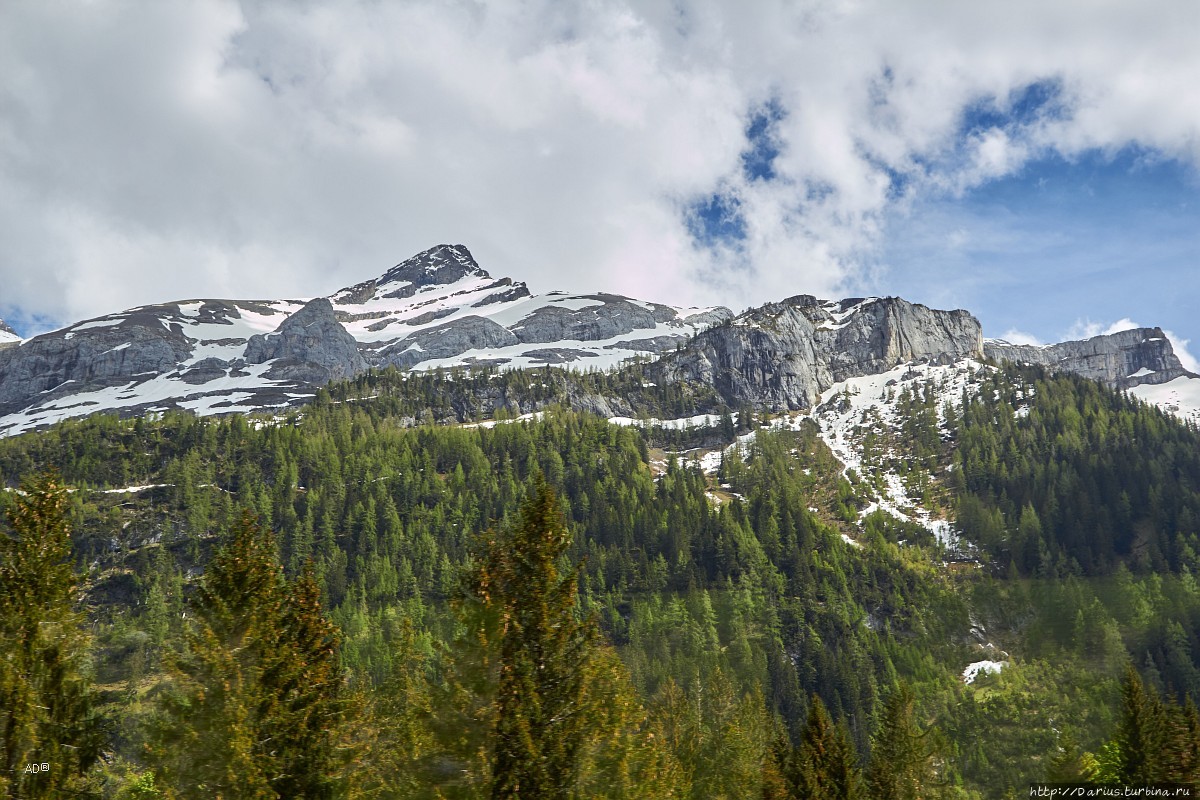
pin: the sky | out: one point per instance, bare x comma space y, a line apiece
1037, 163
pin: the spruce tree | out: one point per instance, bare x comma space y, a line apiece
544, 654
828, 765
1141, 735
824, 765
254, 709
50, 736
1069, 764
900, 766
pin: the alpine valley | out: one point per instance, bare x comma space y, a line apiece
431, 532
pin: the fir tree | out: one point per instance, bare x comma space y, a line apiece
1069, 764
46, 698
1141, 737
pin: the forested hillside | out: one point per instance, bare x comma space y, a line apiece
354, 574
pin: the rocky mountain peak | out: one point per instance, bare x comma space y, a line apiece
8, 335
443, 265
440, 266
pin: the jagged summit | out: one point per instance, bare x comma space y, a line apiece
438, 268
7, 334
442, 265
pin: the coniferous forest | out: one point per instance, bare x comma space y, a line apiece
379, 595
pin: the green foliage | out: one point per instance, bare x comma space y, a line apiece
253, 708
1155, 742
723, 618
47, 702
901, 765
544, 654
1082, 480
824, 765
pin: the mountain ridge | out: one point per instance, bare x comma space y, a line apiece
441, 309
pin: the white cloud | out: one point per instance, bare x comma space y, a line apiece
1085, 328
264, 149
1123, 324
1014, 336
1180, 346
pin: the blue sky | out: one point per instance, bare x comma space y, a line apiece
1058, 246
1033, 162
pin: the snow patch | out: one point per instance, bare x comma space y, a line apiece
986, 667
1180, 397
849, 411
135, 489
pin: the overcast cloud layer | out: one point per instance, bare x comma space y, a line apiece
697, 151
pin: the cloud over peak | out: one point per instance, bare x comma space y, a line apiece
686, 151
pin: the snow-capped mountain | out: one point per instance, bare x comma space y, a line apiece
438, 308
7, 335
441, 309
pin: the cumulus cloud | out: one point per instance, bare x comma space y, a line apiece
1180, 346
1085, 328
1014, 336
212, 148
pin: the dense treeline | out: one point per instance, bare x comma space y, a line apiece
1064, 476
747, 620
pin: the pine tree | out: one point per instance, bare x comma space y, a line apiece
1069, 764
46, 698
304, 680
399, 735
544, 654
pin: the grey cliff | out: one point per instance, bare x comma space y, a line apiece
783, 355
91, 355
309, 347
1121, 360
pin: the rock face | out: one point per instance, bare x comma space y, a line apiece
444, 341
607, 316
311, 346
783, 355
440, 309
87, 358
1122, 360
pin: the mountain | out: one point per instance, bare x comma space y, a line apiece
1142, 356
782, 356
441, 309
438, 308
8, 336
812, 498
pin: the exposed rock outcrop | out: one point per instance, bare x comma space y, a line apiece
783, 355
90, 355
1121, 360
309, 347
445, 341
